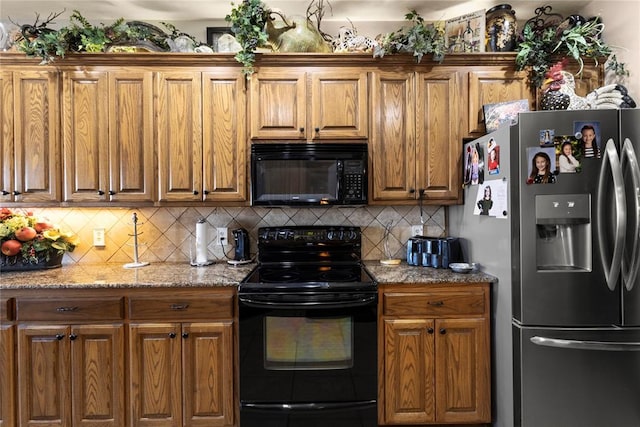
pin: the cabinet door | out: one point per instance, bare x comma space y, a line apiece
132, 170
155, 386
392, 139
6, 137
7, 377
278, 104
463, 371
224, 137
438, 136
36, 136
208, 374
179, 128
491, 86
338, 104
97, 373
409, 396
85, 136
43, 376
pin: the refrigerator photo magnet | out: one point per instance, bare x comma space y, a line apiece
491, 198
473, 164
568, 154
493, 150
542, 164
588, 135
546, 137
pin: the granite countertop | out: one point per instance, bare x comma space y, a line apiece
116, 276
404, 273
219, 274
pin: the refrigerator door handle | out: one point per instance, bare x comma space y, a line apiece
630, 272
611, 267
585, 345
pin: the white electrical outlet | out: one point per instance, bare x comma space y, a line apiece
98, 237
416, 230
221, 236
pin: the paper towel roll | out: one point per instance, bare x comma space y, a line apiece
201, 242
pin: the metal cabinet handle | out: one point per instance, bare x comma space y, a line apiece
185, 335
443, 331
5, 193
172, 334
206, 192
436, 303
317, 130
16, 193
66, 309
112, 193
179, 307
195, 192
100, 193
429, 331
301, 130
59, 336
72, 337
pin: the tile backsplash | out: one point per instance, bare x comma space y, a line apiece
165, 233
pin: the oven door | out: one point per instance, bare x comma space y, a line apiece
308, 361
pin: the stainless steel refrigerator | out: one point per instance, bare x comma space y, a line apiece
560, 232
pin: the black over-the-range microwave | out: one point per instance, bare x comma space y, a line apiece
308, 174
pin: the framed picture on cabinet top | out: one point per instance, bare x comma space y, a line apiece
214, 33
465, 34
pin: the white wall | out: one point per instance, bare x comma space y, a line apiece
622, 30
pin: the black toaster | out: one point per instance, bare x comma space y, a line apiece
433, 252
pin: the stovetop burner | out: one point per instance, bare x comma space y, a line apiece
308, 258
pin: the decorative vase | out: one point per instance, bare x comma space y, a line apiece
501, 29
16, 263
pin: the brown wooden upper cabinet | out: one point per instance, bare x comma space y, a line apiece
309, 104
29, 135
415, 141
201, 135
108, 136
491, 85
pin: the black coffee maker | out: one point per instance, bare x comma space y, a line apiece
241, 241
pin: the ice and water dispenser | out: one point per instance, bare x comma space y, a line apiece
563, 232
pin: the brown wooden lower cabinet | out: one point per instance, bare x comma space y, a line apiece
434, 354
181, 374
7, 375
71, 375
118, 358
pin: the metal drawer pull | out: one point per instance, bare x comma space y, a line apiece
436, 303
586, 345
66, 309
179, 306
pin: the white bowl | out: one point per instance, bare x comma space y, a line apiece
462, 267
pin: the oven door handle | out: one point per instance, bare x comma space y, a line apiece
308, 407
257, 302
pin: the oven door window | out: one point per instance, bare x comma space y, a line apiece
309, 343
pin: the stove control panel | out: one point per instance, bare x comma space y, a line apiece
311, 234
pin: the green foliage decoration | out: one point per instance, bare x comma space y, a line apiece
419, 39
540, 48
82, 36
248, 21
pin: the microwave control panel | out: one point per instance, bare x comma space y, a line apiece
354, 180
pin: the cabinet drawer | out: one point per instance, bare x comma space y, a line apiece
69, 309
437, 303
177, 308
